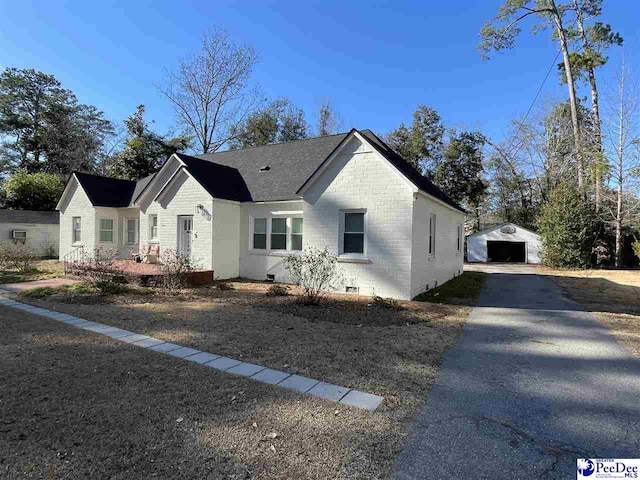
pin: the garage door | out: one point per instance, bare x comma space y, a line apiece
506, 251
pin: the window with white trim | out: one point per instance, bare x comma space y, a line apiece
106, 230
76, 229
296, 233
459, 239
432, 234
131, 232
153, 227
278, 233
260, 233
353, 233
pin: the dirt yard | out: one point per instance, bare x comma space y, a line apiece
613, 296
393, 350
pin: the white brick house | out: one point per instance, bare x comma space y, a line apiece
241, 212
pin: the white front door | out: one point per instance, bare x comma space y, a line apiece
185, 234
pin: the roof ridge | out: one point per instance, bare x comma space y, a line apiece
105, 176
204, 160
273, 144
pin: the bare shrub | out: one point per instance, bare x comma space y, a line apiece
390, 303
316, 271
175, 268
223, 285
101, 270
278, 290
17, 257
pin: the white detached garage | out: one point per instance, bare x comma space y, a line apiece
506, 242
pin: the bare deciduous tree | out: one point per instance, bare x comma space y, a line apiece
501, 32
210, 91
621, 133
329, 121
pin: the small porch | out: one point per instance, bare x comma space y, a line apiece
78, 264
150, 274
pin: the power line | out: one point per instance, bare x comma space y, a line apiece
533, 102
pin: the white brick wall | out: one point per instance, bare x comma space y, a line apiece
40, 236
359, 178
447, 261
181, 198
78, 205
226, 239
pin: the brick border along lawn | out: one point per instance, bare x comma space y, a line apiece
391, 350
258, 373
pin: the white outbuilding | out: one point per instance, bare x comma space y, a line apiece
40, 231
506, 242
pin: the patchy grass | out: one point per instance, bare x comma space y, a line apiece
462, 290
612, 295
42, 270
84, 290
348, 340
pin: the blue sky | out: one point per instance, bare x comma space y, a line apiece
375, 60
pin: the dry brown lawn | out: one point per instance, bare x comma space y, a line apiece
394, 352
613, 296
42, 269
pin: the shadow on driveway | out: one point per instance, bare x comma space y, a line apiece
534, 384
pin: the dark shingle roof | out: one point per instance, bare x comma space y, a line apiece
219, 180
111, 192
419, 180
290, 164
29, 216
241, 175
141, 185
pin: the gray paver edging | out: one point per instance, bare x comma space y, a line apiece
258, 373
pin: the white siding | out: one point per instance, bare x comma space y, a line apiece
41, 237
477, 243
447, 262
181, 197
257, 264
359, 178
226, 239
77, 205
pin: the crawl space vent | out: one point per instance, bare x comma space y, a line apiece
271, 277
352, 289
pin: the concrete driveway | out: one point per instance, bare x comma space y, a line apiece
534, 384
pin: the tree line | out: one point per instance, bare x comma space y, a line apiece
571, 170
46, 132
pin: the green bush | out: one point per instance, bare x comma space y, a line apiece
567, 228
33, 191
636, 248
